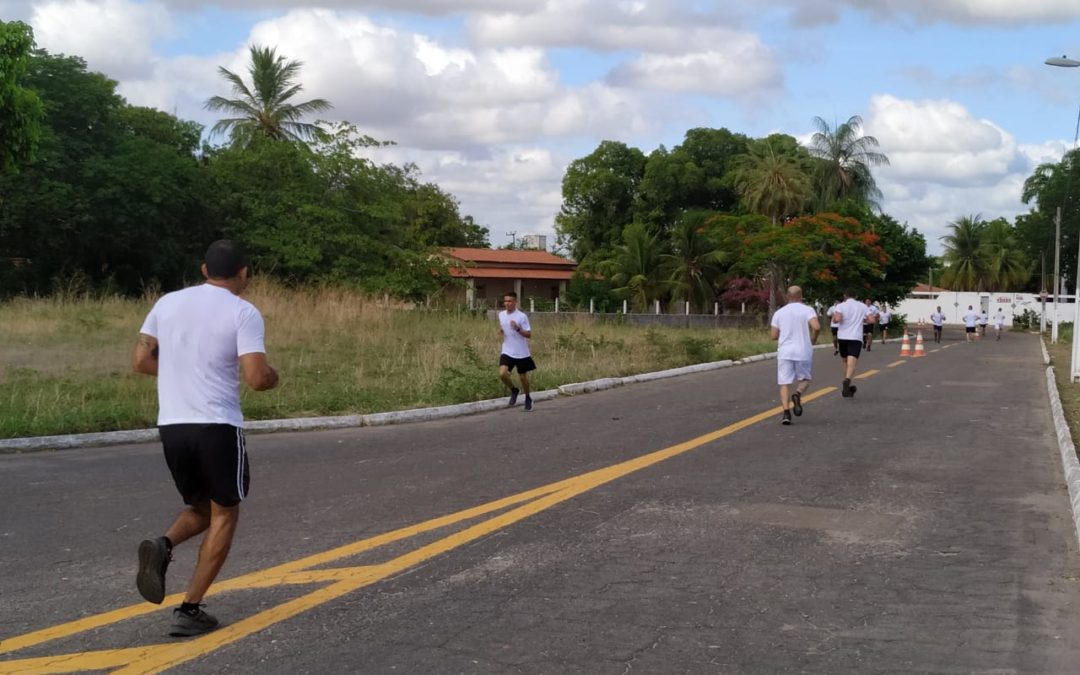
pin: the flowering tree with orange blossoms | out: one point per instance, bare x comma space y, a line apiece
823, 253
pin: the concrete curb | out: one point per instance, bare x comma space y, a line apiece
1046, 354
1069, 462
71, 441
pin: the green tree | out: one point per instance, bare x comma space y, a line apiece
965, 266
265, 109
21, 110
1007, 266
695, 265
599, 193
634, 268
1052, 186
907, 263
770, 181
115, 195
846, 158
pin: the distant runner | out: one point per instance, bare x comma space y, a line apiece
938, 319
883, 321
999, 322
515, 331
852, 315
833, 326
971, 319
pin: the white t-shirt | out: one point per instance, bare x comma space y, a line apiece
999, 320
851, 324
937, 318
884, 317
970, 319
202, 332
984, 319
829, 313
515, 345
793, 321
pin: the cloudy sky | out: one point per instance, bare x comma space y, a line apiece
492, 98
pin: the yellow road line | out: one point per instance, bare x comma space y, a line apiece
156, 658
896, 363
869, 373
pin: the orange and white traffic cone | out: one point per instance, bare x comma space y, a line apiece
919, 351
905, 345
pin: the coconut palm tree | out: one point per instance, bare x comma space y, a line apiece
695, 263
771, 183
635, 268
847, 156
966, 269
1005, 264
264, 109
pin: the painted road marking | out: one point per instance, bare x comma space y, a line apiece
896, 363
339, 581
869, 373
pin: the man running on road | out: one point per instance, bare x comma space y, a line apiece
999, 322
833, 326
883, 320
795, 327
984, 319
515, 330
938, 319
852, 315
868, 326
971, 319
199, 342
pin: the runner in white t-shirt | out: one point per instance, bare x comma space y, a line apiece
868, 326
883, 320
852, 315
834, 326
984, 319
515, 331
971, 319
199, 342
999, 322
938, 319
795, 327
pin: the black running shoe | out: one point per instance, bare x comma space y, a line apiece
187, 624
852, 389
796, 404
845, 391
785, 419
528, 403
514, 391
154, 558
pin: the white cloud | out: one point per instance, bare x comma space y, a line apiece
946, 163
114, 36
741, 67
964, 12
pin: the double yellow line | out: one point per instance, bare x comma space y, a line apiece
337, 581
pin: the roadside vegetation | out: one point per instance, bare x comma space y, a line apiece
64, 360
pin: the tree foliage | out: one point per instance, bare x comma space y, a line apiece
21, 109
846, 158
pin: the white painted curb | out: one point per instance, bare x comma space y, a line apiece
1068, 451
1046, 354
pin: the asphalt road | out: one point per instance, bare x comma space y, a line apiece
921, 527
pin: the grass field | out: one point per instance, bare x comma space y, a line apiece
64, 361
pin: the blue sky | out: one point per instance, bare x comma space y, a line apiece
492, 98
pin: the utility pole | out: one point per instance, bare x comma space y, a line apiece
1042, 296
1057, 274
513, 239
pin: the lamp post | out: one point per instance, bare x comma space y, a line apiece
1074, 374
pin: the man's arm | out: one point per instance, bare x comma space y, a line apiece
257, 372
144, 359
774, 332
815, 330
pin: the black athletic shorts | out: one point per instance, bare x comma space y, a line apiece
867, 328
969, 329
207, 461
834, 329
523, 365
937, 328
850, 348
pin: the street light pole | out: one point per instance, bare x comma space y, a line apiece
1074, 373
1057, 274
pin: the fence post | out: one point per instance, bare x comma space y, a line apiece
590, 305
556, 305
657, 306
716, 309
687, 308
624, 307
532, 305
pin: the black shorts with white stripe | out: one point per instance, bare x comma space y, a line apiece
208, 462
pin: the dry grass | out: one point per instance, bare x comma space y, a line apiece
64, 360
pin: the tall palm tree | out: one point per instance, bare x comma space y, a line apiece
771, 183
1003, 259
635, 269
966, 270
847, 156
264, 109
695, 263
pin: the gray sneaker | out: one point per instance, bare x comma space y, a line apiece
187, 625
154, 558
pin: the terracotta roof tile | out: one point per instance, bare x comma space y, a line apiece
507, 257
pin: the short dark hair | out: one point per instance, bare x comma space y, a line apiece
511, 294
224, 259
850, 293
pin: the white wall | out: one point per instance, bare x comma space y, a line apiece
919, 306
